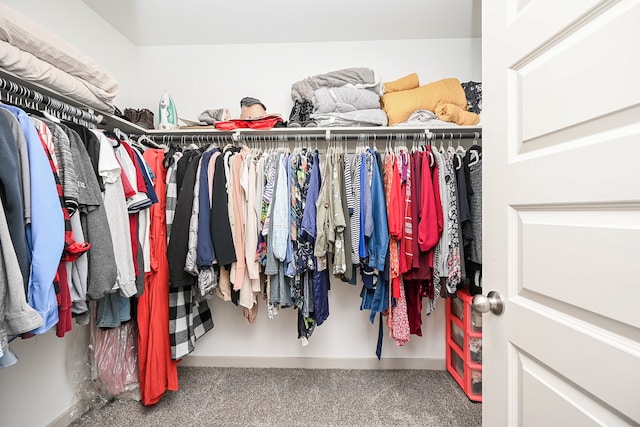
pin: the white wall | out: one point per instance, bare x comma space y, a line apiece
346, 334
46, 381
217, 76
75, 22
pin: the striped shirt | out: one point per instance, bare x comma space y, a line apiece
172, 192
355, 179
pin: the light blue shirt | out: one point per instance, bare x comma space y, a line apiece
280, 215
45, 234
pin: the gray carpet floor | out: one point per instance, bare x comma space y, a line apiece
299, 397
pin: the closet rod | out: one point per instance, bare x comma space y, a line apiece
27, 95
314, 134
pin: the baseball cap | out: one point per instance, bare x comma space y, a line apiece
248, 101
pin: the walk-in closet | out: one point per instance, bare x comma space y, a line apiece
361, 213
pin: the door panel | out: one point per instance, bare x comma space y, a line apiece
551, 400
544, 18
561, 230
583, 76
579, 276
577, 352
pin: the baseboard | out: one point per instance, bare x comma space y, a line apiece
436, 364
70, 415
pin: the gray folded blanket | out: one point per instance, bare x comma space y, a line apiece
361, 78
344, 100
372, 117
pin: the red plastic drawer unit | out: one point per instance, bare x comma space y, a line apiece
464, 345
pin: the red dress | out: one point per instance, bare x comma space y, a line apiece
158, 372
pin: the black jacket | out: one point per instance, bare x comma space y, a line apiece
179, 242
220, 225
11, 191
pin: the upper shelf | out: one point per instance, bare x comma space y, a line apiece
111, 121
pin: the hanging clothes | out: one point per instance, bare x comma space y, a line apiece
222, 238
397, 314
101, 264
72, 250
16, 189
453, 260
114, 197
474, 264
281, 221
45, 230
189, 316
158, 372
16, 317
178, 246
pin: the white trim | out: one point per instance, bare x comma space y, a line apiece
314, 362
73, 413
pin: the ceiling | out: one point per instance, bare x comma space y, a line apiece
191, 22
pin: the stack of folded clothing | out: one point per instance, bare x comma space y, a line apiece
34, 54
443, 100
348, 97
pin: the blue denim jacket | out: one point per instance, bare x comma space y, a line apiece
205, 252
379, 241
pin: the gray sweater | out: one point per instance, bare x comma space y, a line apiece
16, 317
101, 260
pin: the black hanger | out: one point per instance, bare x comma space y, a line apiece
112, 135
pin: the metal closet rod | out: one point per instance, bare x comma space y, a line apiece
314, 134
27, 94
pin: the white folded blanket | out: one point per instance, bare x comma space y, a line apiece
372, 117
344, 100
27, 35
425, 118
29, 68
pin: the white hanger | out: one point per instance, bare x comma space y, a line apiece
460, 149
450, 148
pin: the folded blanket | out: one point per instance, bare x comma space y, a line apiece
360, 78
424, 118
455, 114
372, 117
400, 105
343, 100
32, 69
25, 34
404, 83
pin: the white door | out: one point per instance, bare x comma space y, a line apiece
561, 144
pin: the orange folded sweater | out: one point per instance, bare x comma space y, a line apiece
407, 82
455, 114
400, 105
